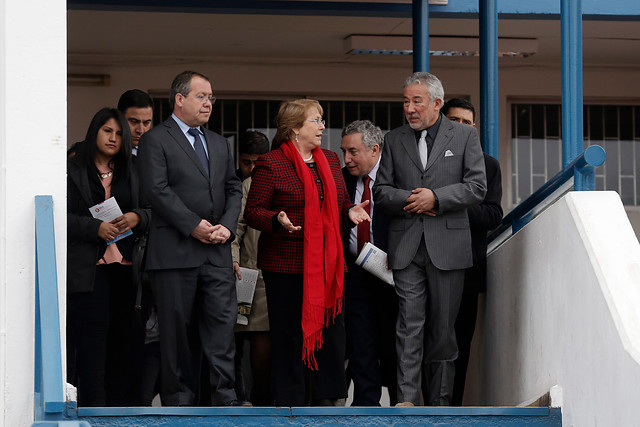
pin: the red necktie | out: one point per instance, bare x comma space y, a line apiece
363, 227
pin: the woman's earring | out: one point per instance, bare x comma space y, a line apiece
297, 138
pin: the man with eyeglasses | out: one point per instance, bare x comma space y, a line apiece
188, 177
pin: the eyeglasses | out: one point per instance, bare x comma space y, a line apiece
204, 99
318, 122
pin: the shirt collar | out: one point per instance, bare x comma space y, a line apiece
374, 172
183, 126
432, 130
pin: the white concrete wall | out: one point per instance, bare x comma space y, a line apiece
562, 309
32, 161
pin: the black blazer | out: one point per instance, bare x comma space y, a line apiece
84, 247
176, 186
483, 218
380, 218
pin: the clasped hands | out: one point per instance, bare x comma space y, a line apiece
421, 201
110, 230
211, 234
357, 214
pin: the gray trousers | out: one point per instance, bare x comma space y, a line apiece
428, 303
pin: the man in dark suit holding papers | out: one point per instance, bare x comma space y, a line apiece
370, 304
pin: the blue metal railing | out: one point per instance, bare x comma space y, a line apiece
49, 391
579, 174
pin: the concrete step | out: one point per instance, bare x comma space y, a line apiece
325, 416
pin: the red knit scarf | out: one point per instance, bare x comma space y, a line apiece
323, 259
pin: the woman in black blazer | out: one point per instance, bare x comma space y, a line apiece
101, 296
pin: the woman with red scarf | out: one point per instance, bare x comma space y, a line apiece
298, 199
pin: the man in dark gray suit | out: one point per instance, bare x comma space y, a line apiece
370, 304
188, 177
431, 171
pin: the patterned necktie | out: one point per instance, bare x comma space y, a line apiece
363, 227
422, 148
199, 147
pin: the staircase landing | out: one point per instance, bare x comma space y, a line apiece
327, 416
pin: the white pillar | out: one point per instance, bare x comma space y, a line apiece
33, 121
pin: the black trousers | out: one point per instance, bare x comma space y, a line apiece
465, 327
293, 384
101, 339
197, 309
371, 308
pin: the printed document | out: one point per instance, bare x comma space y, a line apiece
374, 260
245, 288
107, 211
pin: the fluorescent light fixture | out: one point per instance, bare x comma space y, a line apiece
438, 46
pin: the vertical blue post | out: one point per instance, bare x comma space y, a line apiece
489, 101
420, 35
49, 389
572, 131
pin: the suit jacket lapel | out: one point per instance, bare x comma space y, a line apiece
442, 139
175, 131
410, 145
351, 183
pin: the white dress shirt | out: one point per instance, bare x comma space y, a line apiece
185, 130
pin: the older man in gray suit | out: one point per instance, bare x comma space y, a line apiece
431, 171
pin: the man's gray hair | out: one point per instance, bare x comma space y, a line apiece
371, 134
433, 84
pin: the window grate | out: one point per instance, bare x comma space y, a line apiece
537, 147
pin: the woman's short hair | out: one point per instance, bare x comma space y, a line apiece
292, 114
88, 150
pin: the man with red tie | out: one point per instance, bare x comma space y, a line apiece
370, 304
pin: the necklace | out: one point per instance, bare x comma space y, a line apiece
105, 175
309, 159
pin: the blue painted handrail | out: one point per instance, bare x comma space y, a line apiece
49, 392
582, 169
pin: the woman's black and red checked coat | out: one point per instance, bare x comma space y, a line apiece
276, 187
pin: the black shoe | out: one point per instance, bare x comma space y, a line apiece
235, 402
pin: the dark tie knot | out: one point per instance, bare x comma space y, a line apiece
194, 132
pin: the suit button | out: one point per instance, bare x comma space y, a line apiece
321, 197
317, 180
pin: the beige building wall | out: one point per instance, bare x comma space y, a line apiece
361, 82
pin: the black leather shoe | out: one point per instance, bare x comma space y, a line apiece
242, 403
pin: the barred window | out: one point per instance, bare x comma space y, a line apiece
232, 117
536, 132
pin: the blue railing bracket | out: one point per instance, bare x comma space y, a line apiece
582, 170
